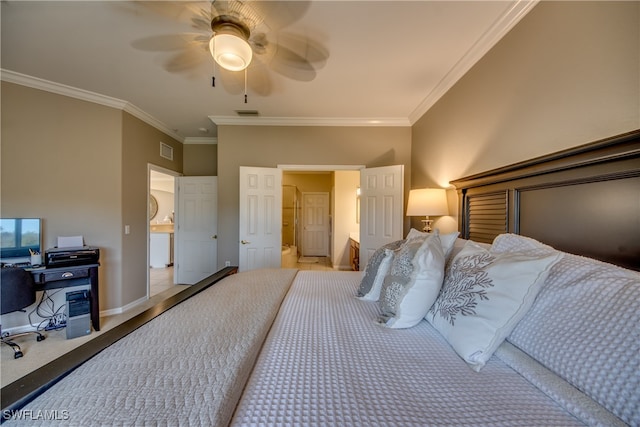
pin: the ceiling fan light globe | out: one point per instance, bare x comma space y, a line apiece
231, 52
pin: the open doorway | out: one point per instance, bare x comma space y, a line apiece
160, 252
306, 223
381, 212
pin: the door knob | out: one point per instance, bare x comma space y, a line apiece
244, 242
214, 237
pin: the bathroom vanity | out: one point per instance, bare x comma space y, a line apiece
161, 246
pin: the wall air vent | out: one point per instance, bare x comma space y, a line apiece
247, 113
166, 151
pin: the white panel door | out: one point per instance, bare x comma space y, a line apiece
196, 228
315, 224
381, 208
260, 218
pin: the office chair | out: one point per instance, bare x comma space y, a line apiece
17, 292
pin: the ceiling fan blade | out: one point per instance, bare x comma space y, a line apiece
305, 47
259, 81
168, 42
189, 50
232, 81
294, 56
202, 23
289, 64
185, 61
279, 14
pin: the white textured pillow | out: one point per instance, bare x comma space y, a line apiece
591, 311
413, 282
484, 296
375, 271
446, 240
514, 242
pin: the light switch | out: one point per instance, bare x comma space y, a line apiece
127, 229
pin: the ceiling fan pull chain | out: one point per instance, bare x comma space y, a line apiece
245, 85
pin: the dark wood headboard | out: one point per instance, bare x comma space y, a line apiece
585, 200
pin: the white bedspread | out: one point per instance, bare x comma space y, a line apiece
186, 367
326, 362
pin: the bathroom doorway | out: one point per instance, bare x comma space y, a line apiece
160, 252
340, 217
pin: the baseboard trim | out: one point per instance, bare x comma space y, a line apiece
120, 310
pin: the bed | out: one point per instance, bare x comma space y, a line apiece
288, 347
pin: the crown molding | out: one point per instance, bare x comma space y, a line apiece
152, 121
489, 39
309, 121
61, 89
200, 140
85, 95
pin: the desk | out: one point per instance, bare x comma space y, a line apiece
64, 277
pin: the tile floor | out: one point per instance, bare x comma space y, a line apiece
323, 264
160, 280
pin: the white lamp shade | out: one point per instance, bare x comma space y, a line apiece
230, 51
427, 202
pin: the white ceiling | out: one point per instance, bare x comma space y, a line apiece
388, 61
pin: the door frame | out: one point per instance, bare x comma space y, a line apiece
322, 168
160, 169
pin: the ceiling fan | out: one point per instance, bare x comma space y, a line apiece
246, 38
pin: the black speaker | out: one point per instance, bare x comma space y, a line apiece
78, 313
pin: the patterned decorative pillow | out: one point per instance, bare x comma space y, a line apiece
375, 271
484, 296
447, 240
413, 282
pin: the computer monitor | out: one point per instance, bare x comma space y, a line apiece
18, 238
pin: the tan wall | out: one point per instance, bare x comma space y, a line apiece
141, 146
61, 162
269, 146
307, 182
200, 160
82, 167
566, 75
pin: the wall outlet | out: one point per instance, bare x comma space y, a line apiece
227, 263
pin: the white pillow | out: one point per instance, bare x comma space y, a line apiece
484, 296
375, 271
413, 282
447, 240
514, 242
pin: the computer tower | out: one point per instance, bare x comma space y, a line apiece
78, 313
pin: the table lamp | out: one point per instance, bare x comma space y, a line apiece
427, 202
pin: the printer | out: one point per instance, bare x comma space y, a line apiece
64, 257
